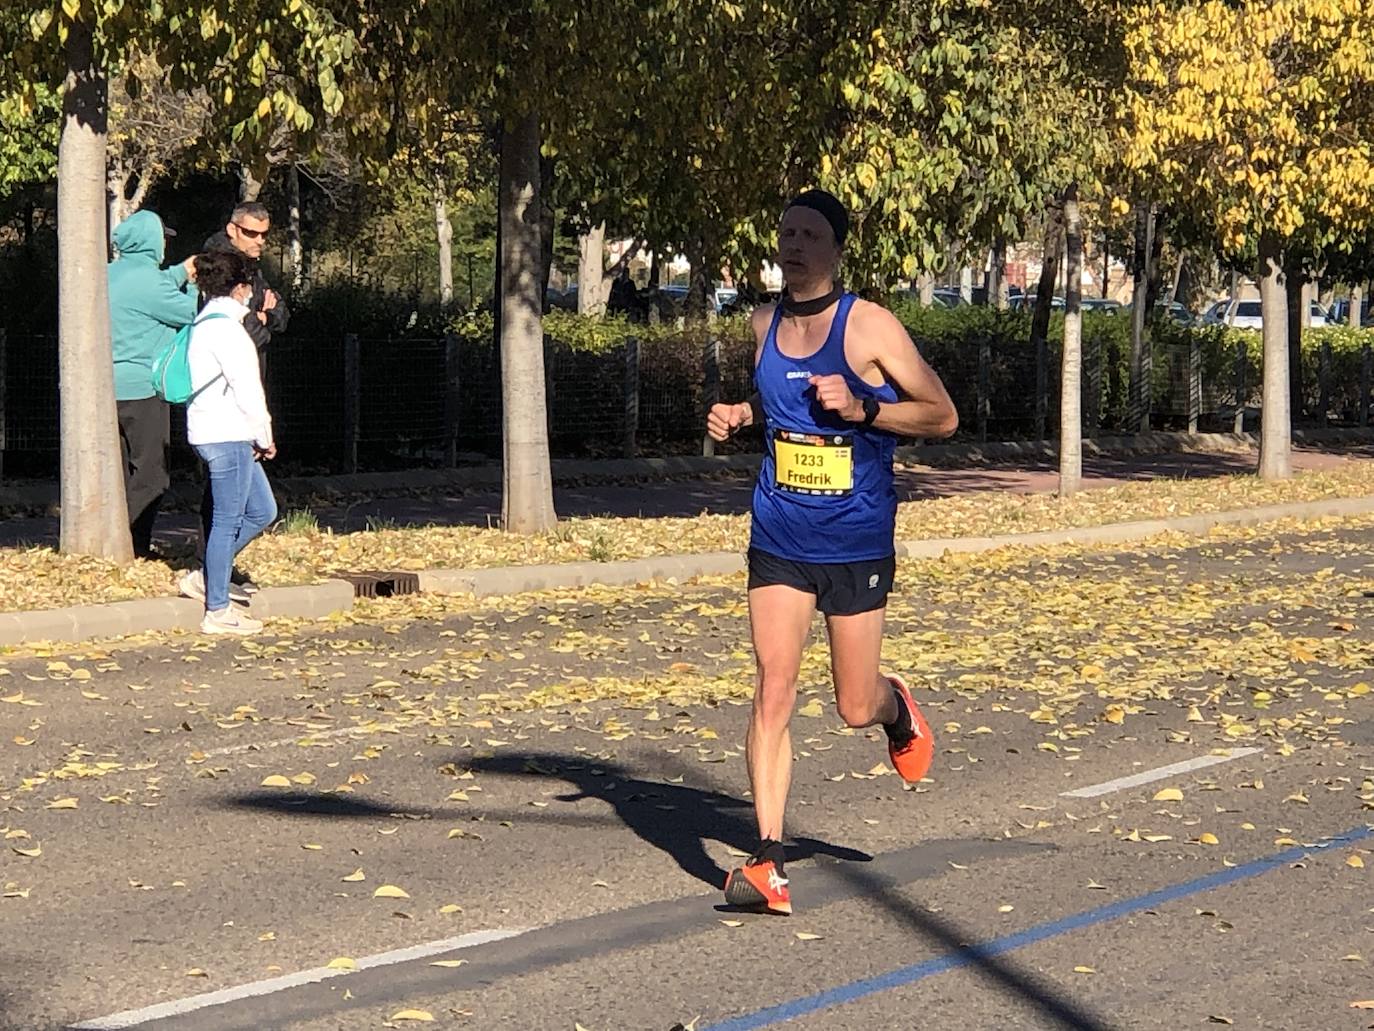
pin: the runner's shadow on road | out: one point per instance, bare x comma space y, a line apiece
675, 818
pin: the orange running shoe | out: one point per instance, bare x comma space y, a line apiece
760, 882
911, 756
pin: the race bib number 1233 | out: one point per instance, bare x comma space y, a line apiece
809, 463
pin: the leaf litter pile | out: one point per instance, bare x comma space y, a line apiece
1070, 645
39, 578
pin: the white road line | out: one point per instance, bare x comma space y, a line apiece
306, 735
1159, 773
163, 1010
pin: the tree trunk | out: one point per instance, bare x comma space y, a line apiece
1177, 278
546, 228
1293, 296
926, 285
697, 303
443, 234
1049, 275
1071, 372
591, 271
250, 186
527, 487
997, 276
295, 248
95, 518
114, 196
1353, 316
1040, 321
140, 194
1153, 264
1275, 428
966, 284
1138, 417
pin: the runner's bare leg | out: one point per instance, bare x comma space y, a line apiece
780, 620
863, 696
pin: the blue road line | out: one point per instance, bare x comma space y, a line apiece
971, 954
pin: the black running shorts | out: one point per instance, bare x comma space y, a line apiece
841, 588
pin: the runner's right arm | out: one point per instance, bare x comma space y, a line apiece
725, 420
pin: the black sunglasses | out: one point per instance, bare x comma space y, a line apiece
252, 234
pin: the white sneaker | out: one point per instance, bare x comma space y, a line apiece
192, 584
229, 621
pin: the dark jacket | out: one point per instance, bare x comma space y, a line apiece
260, 331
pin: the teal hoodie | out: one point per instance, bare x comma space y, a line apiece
148, 303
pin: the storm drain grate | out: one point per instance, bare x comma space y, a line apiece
382, 584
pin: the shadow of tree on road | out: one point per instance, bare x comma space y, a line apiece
679, 820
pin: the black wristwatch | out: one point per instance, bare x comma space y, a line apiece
870, 411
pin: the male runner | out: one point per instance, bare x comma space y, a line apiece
838, 381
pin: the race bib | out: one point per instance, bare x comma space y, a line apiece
808, 463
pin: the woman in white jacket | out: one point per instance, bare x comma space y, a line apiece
228, 424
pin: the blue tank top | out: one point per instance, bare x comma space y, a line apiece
825, 492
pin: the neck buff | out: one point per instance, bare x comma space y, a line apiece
814, 306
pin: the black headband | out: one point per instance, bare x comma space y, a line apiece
828, 206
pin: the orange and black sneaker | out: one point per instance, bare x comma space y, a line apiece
909, 743
760, 883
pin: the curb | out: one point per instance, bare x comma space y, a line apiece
145, 615
501, 580
1118, 533
506, 580
291, 489
317, 601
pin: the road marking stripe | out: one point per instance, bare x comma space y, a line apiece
163, 1010
974, 954
305, 735
1146, 776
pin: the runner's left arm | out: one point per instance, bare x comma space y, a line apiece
925, 409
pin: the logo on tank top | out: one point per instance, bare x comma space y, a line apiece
798, 374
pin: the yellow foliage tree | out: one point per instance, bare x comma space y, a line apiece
1256, 118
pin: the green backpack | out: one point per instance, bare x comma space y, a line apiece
172, 368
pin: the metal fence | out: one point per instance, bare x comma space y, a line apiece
351, 403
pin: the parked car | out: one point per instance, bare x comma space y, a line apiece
1103, 306
1246, 315
1340, 313
1177, 310
1215, 312
1026, 302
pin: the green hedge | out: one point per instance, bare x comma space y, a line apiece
951, 340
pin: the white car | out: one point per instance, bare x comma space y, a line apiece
1246, 315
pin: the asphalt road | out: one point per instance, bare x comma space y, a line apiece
556, 785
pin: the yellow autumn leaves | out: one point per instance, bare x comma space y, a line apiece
1246, 112
37, 578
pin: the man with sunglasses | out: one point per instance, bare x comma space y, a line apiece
246, 234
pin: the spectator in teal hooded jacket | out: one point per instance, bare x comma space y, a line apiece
148, 304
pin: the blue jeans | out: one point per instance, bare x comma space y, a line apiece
243, 508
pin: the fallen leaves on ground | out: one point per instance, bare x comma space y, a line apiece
40, 577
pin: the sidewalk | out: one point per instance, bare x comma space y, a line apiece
731, 494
